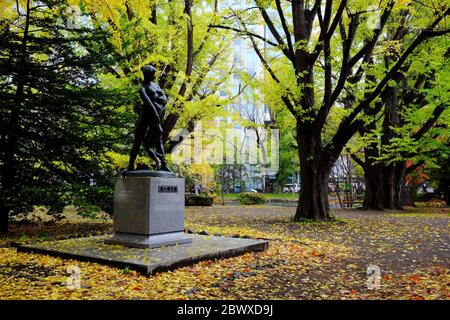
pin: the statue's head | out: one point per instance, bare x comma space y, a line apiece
149, 72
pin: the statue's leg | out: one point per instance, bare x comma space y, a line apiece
139, 135
160, 151
148, 147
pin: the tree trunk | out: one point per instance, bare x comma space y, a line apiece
313, 198
393, 173
384, 181
314, 172
374, 193
384, 186
373, 175
389, 186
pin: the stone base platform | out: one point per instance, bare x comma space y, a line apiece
145, 260
149, 241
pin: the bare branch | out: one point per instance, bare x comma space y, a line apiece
285, 28
245, 33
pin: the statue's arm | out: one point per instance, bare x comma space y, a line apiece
149, 104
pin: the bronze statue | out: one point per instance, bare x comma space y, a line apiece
148, 130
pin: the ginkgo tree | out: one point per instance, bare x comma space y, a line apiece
329, 47
413, 126
193, 59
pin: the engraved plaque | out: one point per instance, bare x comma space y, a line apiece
167, 189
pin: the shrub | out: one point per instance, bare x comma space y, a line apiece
249, 198
193, 200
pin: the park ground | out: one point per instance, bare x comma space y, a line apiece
304, 260
267, 196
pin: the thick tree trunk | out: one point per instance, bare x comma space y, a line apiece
384, 186
313, 198
384, 181
389, 186
373, 174
393, 176
374, 193
314, 173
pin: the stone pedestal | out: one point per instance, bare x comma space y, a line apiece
149, 222
149, 210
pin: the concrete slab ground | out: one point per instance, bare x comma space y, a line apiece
145, 260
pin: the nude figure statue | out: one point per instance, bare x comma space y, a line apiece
148, 131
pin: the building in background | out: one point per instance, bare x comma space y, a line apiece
249, 105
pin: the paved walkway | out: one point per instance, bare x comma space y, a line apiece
402, 244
